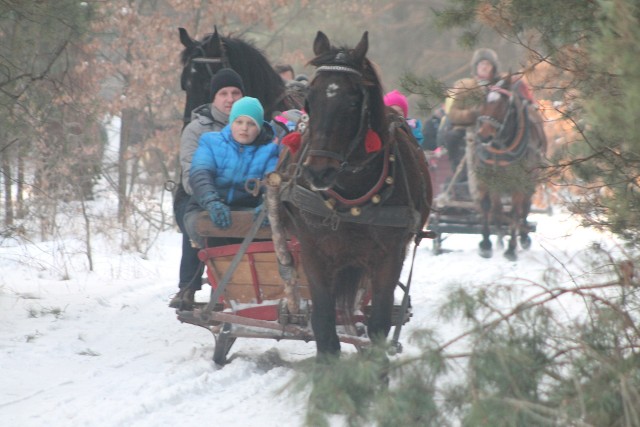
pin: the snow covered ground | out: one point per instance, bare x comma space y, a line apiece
101, 348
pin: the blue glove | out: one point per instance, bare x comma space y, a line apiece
220, 214
256, 213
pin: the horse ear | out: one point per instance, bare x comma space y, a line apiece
321, 44
215, 41
360, 51
185, 38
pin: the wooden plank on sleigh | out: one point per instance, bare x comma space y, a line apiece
241, 287
240, 224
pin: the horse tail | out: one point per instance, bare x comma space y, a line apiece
346, 292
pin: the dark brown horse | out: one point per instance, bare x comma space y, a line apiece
510, 146
201, 59
358, 192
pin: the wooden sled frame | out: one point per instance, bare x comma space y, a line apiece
253, 302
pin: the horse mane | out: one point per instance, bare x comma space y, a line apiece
370, 79
259, 77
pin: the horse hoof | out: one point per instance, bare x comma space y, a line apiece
486, 253
511, 255
525, 242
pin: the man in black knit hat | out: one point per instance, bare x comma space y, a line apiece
226, 88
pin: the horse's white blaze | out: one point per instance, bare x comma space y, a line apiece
332, 89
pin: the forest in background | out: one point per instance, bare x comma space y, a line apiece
68, 65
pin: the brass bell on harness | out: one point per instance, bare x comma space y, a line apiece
376, 199
389, 180
330, 203
392, 157
356, 211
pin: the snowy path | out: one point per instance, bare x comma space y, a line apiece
103, 348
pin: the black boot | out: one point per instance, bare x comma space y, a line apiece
184, 299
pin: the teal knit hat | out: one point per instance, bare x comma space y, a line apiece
250, 107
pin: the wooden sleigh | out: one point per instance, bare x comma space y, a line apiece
455, 209
249, 298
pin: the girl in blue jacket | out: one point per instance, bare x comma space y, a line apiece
225, 160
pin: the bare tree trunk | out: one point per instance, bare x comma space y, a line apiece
87, 230
8, 203
128, 121
20, 210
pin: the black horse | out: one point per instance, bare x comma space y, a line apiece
201, 59
358, 192
510, 147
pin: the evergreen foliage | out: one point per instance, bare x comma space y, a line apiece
611, 105
530, 365
592, 49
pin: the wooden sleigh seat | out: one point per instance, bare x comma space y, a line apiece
256, 279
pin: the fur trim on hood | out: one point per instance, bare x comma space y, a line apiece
488, 54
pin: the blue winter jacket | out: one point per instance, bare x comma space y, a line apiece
221, 166
416, 129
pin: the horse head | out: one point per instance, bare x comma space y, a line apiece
200, 61
495, 113
344, 103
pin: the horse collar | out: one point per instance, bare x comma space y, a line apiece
374, 195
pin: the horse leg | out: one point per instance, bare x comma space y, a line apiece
525, 240
323, 322
379, 322
497, 219
323, 313
510, 253
514, 222
500, 238
485, 244
383, 284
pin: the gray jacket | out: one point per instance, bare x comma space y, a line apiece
205, 118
